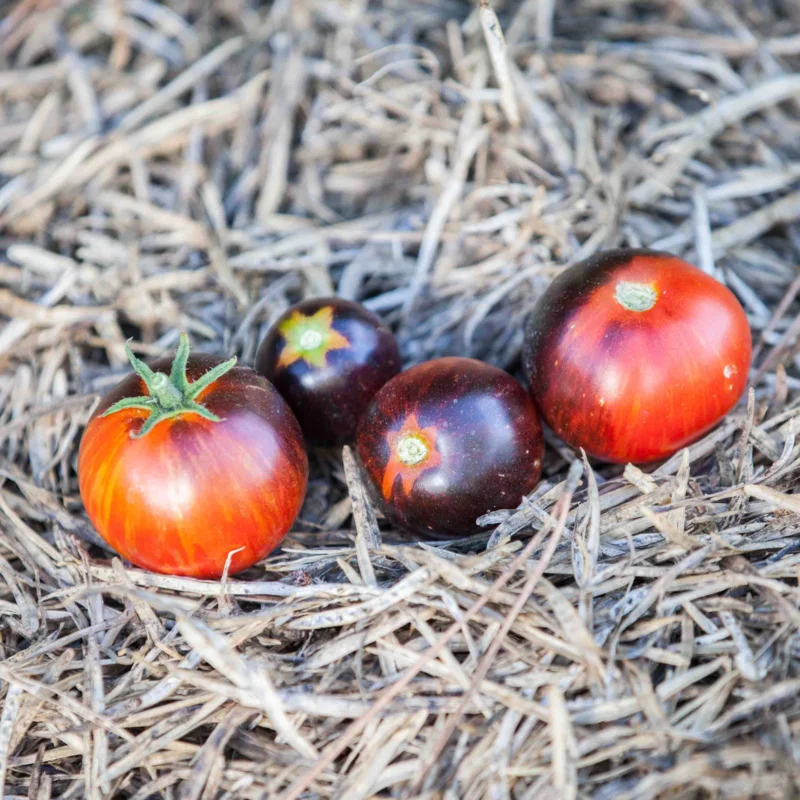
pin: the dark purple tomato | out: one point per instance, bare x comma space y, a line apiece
328, 357
633, 354
189, 461
448, 441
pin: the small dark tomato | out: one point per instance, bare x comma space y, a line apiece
448, 441
633, 354
328, 357
187, 461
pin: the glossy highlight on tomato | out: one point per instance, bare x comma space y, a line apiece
448, 441
188, 460
328, 357
634, 354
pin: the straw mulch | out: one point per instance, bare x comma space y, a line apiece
200, 165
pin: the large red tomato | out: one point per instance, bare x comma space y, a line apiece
185, 462
633, 354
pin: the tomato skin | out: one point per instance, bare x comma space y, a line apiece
329, 390
636, 385
181, 497
482, 445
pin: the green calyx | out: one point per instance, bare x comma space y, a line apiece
636, 296
170, 395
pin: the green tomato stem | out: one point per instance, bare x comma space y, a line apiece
170, 395
166, 395
636, 296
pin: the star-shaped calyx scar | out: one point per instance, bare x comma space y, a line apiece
310, 338
412, 450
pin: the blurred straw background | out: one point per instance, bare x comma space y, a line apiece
200, 165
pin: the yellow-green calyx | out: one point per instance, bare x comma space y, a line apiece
310, 338
170, 395
635, 296
412, 449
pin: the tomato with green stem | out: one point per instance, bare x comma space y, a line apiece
634, 354
191, 464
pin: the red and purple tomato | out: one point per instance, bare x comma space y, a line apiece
189, 462
634, 354
328, 356
448, 441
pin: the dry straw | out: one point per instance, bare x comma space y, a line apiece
200, 165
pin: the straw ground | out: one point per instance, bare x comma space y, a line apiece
198, 166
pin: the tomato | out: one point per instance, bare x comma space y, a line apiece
634, 354
448, 441
328, 357
189, 460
